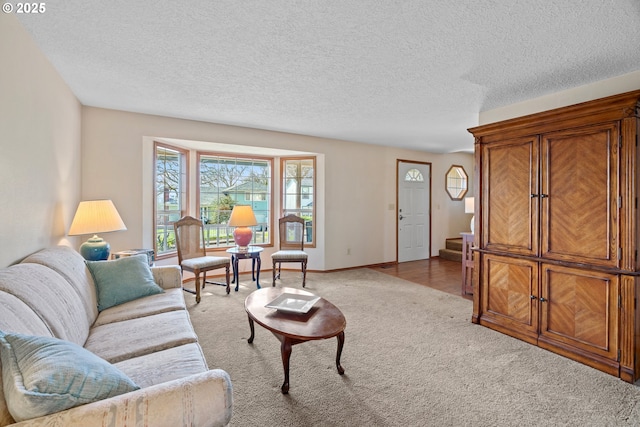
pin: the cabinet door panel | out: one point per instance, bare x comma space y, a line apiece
507, 299
580, 309
580, 180
510, 177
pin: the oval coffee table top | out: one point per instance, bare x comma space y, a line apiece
324, 320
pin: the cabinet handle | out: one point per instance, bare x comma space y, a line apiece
532, 296
543, 196
542, 299
533, 196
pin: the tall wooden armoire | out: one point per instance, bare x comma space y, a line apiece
557, 230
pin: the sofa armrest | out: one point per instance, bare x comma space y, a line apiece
203, 399
167, 276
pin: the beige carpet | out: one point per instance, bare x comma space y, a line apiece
412, 358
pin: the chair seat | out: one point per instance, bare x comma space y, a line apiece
288, 255
205, 262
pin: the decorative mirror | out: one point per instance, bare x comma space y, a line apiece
456, 181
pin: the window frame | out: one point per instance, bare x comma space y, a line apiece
451, 183
283, 208
184, 208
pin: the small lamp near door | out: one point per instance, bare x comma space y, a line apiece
93, 217
469, 204
242, 217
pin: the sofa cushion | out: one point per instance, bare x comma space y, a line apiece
50, 296
119, 341
17, 317
43, 375
5, 415
169, 300
122, 280
70, 265
166, 365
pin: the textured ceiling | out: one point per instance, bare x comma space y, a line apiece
403, 73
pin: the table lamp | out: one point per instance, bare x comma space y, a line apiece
93, 217
469, 203
242, 217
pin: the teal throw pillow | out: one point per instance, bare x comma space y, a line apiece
122, 280
44, 375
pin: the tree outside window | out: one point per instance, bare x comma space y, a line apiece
298, 190
170, 195
228, 181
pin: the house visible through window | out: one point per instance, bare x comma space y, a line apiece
228, 181
298, 188
170, 195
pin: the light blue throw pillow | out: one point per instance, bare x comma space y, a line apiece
44, 375
122, 280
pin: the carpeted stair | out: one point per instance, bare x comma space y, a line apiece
453, 251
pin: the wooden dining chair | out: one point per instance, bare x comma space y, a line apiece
291, 233
192, 255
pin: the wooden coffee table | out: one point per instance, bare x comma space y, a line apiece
324, 320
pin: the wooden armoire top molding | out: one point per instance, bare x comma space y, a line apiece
615, 107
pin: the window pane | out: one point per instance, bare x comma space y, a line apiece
414, 175
229, 181
170, 190
298, 191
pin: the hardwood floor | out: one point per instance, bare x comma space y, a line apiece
435, 272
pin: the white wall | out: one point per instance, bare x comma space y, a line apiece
601, 89
357, 183
40, 155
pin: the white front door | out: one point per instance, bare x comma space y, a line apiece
414, 202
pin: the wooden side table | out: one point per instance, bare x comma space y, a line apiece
252, 253
467, 263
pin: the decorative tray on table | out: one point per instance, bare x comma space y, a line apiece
294, 303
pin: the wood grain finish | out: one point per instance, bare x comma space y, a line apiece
324, 320
580, 309
511, 219
557, 228
512, 298
580, 181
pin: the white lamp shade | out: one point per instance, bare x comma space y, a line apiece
242, 216
96, 216
469, 204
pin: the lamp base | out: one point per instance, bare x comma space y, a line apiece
242, 236
95, 249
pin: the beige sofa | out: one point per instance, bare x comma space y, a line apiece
151, 340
